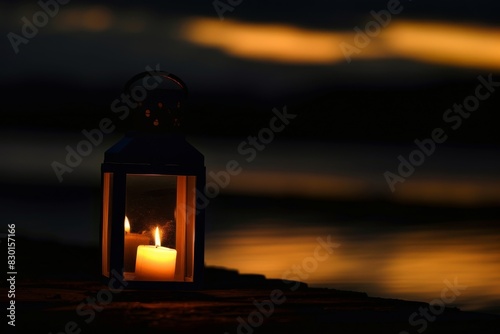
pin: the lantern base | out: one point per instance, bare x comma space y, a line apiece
128, 283
132, 277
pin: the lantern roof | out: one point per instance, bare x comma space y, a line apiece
154, 149
160, 101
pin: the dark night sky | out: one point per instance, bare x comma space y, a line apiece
66, 77
74, 68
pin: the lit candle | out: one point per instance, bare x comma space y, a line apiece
132, 241
155, 263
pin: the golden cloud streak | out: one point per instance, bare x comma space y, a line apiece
448, 44
268, 42
441, 43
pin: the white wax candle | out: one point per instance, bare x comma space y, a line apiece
155, 263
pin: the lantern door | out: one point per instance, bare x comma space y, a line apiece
149, 226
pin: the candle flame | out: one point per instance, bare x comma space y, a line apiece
127, 225
157, 237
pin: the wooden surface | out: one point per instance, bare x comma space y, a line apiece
52, 306
54, 286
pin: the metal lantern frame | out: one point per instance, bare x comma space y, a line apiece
154, 154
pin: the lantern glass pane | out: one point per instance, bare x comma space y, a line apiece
106, 219
166, 203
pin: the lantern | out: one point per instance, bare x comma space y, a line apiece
152, 231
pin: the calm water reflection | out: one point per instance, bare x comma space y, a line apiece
383, 259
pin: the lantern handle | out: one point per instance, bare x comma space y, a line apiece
166, 75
